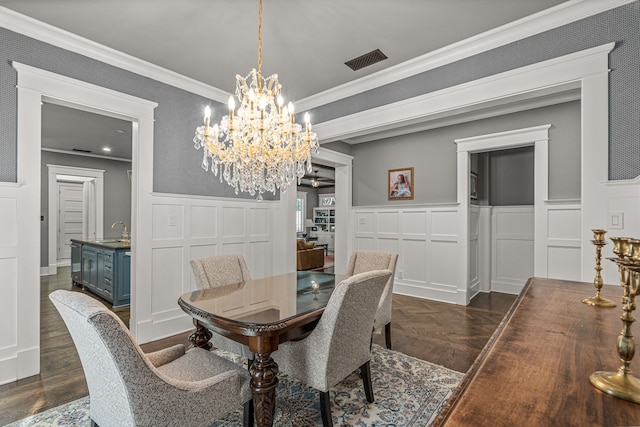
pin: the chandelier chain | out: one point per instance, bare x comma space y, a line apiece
260, 41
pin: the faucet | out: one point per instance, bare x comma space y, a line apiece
125, 234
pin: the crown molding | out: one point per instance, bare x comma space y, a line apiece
551, 76
554, 17
30, 27
545, 20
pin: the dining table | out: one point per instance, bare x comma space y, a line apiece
261, 314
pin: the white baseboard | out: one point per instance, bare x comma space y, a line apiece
51, 270
506, 288
425, 292
23, 364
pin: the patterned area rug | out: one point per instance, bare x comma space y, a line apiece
408, 392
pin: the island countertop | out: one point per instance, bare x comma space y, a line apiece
115, 243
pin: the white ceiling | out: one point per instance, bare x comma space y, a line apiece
68, 129
305, 42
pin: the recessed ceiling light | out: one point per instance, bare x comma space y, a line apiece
107, 149
119, 131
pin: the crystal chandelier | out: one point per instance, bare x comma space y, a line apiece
260, 148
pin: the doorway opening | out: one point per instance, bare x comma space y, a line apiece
316, 198
91, 209
473, 234
36, 86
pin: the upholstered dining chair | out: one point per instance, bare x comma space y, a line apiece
361, 261
341, 341
220, 270
130, 388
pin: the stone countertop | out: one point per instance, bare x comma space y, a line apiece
106, 242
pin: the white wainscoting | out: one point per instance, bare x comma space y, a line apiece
474, 250
426, 240
512, 247
19, 281
186, 228
558, 251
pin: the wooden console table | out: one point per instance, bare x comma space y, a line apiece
535, 369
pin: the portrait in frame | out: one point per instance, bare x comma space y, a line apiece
401, 185
473, 186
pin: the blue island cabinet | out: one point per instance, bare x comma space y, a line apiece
107, 272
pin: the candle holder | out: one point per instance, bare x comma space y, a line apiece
622, 384
598, 300
315, 289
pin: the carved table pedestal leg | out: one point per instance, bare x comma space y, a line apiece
264, 380
201, 336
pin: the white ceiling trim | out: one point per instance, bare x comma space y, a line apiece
63, 39
507, 105
542, 21
468, 96
545, 20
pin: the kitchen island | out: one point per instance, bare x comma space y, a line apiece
104, 268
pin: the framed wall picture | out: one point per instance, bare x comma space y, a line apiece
401, 185
473, 186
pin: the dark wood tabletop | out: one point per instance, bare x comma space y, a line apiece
261, 313
535, 369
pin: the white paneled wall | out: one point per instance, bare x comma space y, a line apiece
426, 240
186, 228
512, 247
504, 247
562, 241
9, 347
20, 285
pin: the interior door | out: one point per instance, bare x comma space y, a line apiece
69, 217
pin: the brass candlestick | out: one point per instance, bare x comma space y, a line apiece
598, 300
622, 384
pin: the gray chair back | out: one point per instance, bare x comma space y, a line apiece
362, 261
91, 326
220, 270
341, 341
126, 389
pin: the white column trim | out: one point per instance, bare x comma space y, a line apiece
33, 86
553, 76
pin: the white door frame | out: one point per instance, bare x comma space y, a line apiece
285, 209
35, 86
83, 174
344, 234
538, 137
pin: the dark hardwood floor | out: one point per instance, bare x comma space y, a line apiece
441, 333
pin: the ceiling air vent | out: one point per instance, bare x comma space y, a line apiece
81, 150
366, 60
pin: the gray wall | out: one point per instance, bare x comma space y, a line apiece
620, 25
177, 165
511, 177
312, 200
339, 146
117, 193
432, 154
